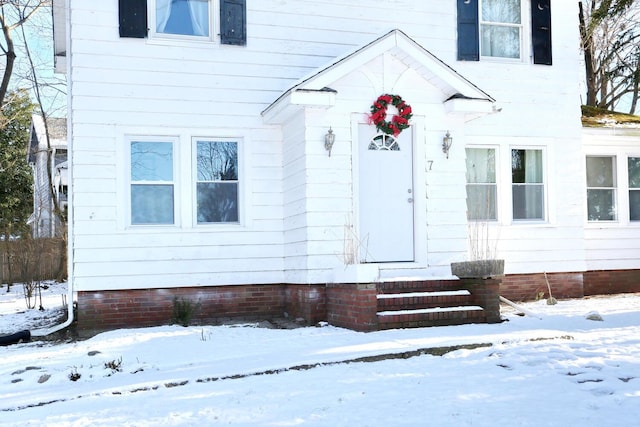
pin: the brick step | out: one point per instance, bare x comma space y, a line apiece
436, 316
422, 300
418, 286
414, 304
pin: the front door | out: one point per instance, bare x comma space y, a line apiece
385, 196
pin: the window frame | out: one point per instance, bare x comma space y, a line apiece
615, 188
536, 45
495, 184
631, 189
241, 179
214, 26
545, 185
521, 39
174, 141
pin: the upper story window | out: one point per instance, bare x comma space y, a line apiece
527, 184
183, 17
500, 28
497, 28
481, 184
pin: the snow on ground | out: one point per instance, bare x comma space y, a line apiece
557, 370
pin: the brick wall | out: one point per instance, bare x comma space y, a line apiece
611, 282
307, 302
352, 306
105, 310
527, 287
485, 293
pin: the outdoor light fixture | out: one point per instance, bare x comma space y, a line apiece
446, 143
329, 139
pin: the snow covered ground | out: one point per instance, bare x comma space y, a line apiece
558, 370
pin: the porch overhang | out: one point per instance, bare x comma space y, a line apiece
460, 95
459, 104
295, 99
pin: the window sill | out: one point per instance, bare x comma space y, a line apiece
177, 41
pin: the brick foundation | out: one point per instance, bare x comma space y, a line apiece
104, 310
528, 287
352, 306
307, 302
611, 282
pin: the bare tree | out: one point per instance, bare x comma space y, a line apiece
13, 15
611, 46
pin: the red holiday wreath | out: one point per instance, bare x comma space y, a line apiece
398, 122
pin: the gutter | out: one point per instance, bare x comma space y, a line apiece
70, 278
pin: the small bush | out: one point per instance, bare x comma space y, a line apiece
183, 311
114, 365
74, 375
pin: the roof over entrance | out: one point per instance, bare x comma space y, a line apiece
460, 93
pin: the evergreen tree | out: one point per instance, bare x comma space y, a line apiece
16, 179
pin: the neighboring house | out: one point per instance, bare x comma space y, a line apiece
200, 132
50, 178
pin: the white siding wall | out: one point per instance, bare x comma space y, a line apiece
540, 109
615, 244
152, 87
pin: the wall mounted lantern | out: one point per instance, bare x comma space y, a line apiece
329, 139
446, 143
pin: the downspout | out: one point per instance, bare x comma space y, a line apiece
70, 278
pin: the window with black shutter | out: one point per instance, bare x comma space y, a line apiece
541, 31
233, 22
188, 18
493, 28
133, 18
468, 31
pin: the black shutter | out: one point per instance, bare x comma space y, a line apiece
133, 18
468, 31
541, 31
233, 22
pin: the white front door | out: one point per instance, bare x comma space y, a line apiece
385, 195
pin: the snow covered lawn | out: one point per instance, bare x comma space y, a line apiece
560, 370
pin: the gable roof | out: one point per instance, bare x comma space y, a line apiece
314, 90
38, 139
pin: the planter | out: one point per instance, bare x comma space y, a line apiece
482, 269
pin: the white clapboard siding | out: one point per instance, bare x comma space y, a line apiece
615, 244
297, 200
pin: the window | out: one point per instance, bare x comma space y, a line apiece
216, 181
495, 28
527, 183
500, 28
481, 184
152, 182
182, 17
601, 188
384, 142
634, 188
191, 18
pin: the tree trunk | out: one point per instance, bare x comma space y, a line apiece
587, 44
10, 59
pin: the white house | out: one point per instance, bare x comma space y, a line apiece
50, 178
226, 152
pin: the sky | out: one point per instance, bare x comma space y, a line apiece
39, 33
555, 368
